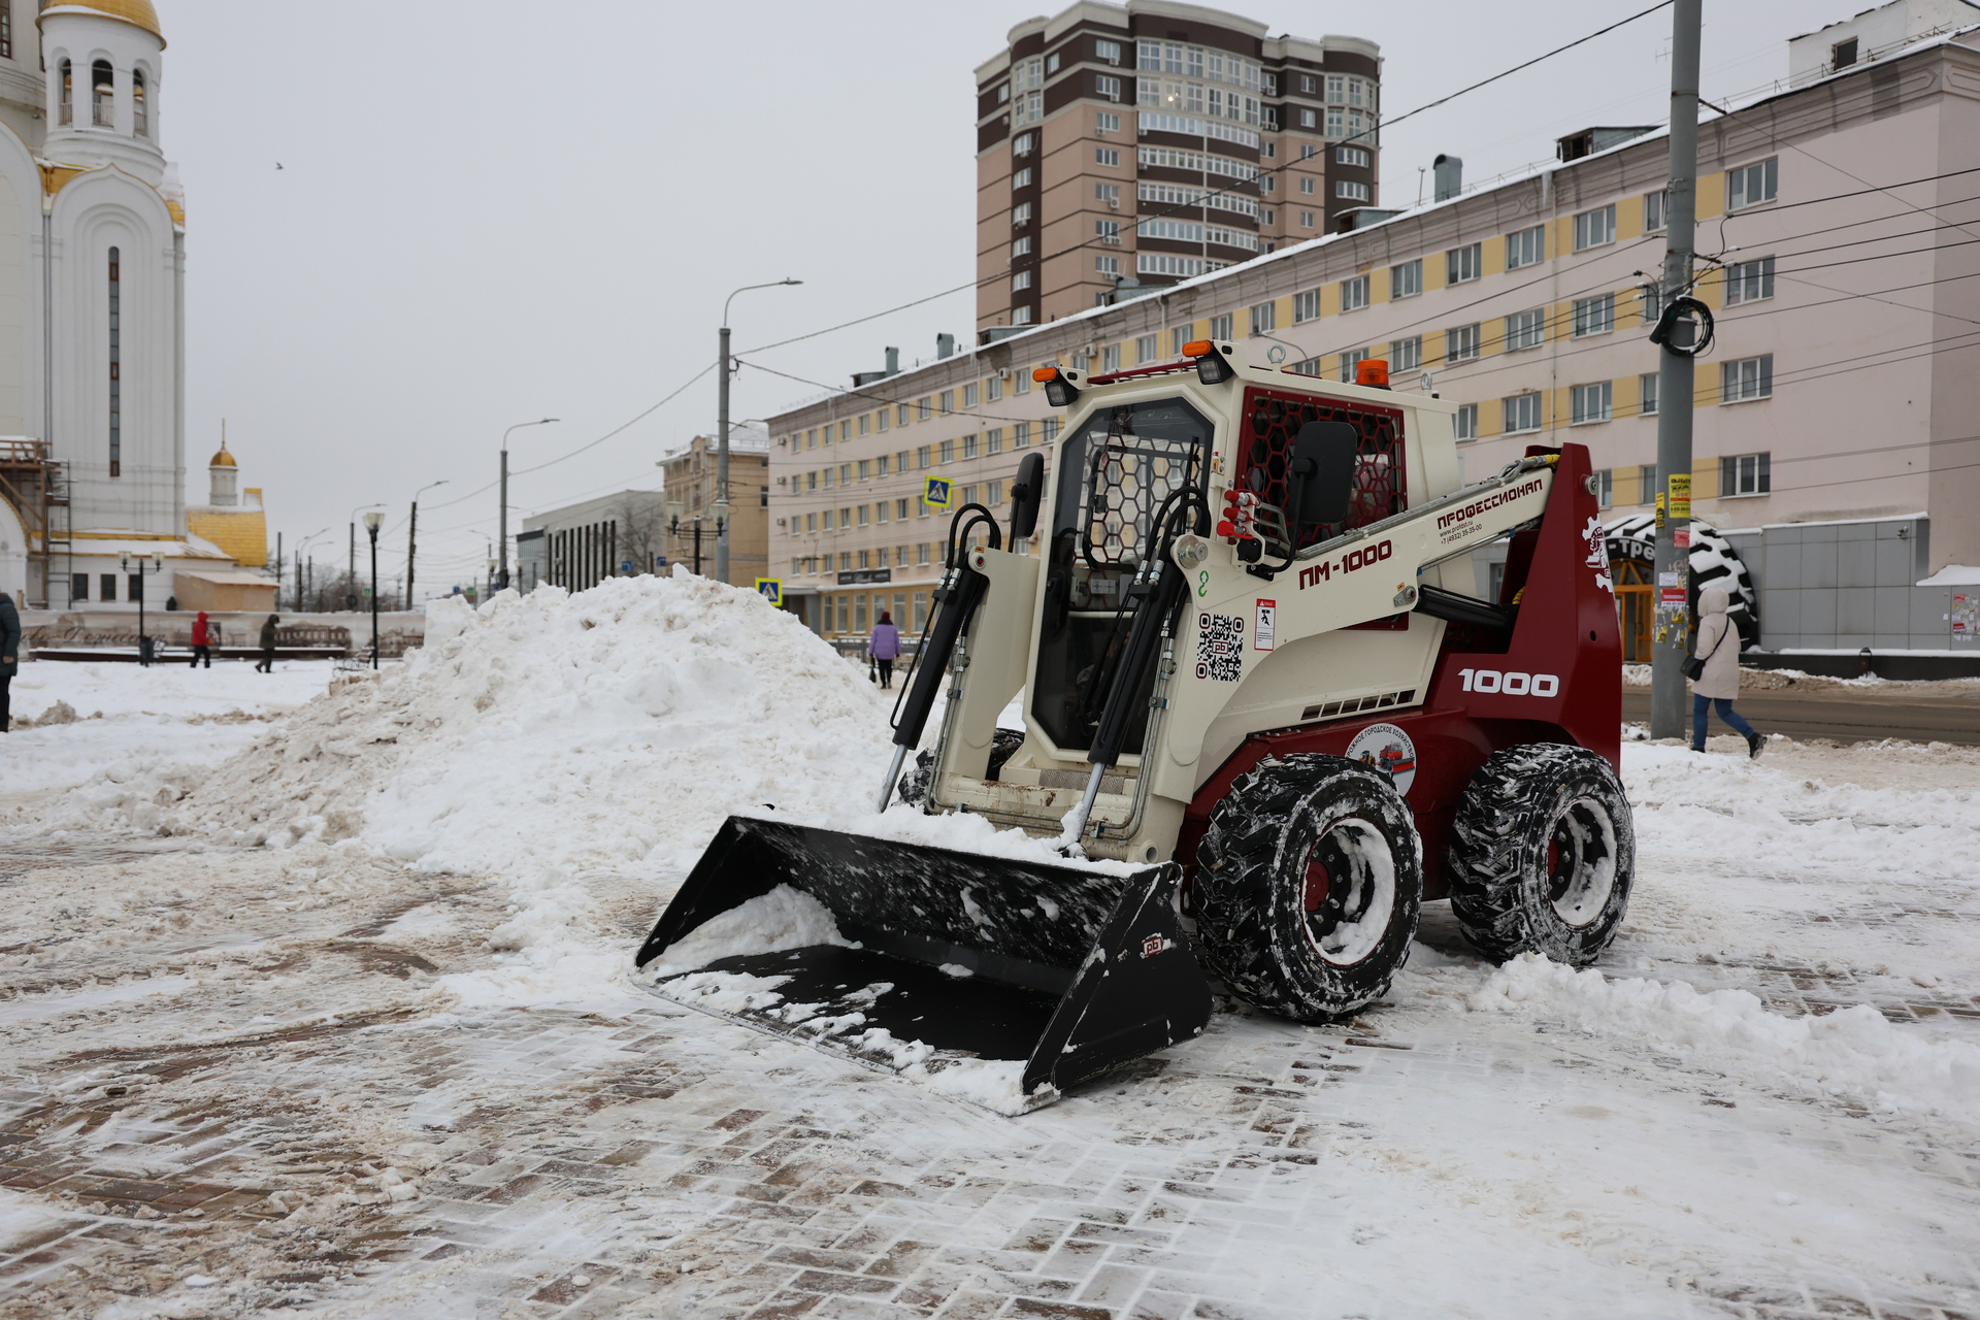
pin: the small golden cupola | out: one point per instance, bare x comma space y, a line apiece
224, 473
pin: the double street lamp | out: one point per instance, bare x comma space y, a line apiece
155, 564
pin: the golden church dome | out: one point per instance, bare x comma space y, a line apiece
138, 13
223, 458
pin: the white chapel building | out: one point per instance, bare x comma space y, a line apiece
92, 310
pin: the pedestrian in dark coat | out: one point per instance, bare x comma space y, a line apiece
885, 647
10, 651
267, 665
202, 641
1718, 646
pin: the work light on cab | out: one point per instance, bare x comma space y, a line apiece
1061, 387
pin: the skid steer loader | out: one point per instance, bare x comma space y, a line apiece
1266, 715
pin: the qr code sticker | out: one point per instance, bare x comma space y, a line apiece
1219, 647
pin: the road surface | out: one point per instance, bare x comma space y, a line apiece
1921, 712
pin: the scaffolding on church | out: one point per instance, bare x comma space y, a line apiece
37, 488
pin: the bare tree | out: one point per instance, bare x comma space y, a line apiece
642, 528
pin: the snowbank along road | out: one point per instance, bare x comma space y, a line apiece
329, 1003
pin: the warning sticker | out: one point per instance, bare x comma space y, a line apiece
1219, 647
1262, 635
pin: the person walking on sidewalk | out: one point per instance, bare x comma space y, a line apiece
885, 647
1718, 647
202, 641
10, 652
267, 663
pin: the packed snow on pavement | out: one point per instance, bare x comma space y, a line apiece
323, 995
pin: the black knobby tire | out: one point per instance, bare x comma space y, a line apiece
1543, 852
1308, 886
913, 783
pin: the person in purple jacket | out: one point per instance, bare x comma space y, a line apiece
885, 647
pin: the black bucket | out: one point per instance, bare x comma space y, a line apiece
960, 958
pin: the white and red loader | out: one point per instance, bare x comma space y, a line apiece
1256, 677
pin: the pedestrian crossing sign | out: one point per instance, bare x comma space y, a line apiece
771, 589
938, 492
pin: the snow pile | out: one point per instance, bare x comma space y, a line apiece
784, 918
1855, 1052
549, 734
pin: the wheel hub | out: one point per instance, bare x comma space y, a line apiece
1581, 862
1350, 892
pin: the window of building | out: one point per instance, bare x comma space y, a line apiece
1220, 326
1646, 483
1526, 248
79, 586
1522, 413
116, 367
66, 112
946, 452
845, 431
140, 116
1461, 265
1745, 474
1336, 122
1107, 264
1406, 354
1107, 87
1020, 281
1267, 183
1748, 378
1107, 231
1751, 185
1526, 329
1749, 281
863, 422
922, 457
845, 474
1306, 219
1107, 194
1646, 394
1842, 54
969, 446
1021, 144
1109, 51
1052, 62
1350, 359
1147, 349
993, 440
900, 514
107, 586
1588, 403
1306, 306
1164, 263
1594, 316
1020, 435
924, 408
1351, 156
969, 395
1107, 121
1048, 430
1110, 358
102, 95
1594, 228
1465, 424
993, 389
810, 522
1604, 497
1354, 293
865, 469
1021, 247
1109, 156
1021, 214
1308, 118
993, 493
1264, 318
1406, 280
865, 511
1654, 211
6, 29
1351, 192
1461, 343
1306, 185
1021, 383
1337, 88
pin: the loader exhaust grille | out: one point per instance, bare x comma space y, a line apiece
1355, 705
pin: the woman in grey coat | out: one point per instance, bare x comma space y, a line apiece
1718, 645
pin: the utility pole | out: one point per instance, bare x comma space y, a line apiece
412, 529
350, 573
1671, 629
498, 577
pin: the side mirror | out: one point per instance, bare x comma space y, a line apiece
1321, 478
1026, 493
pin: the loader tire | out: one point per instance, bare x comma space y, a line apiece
913, 784
1543, 852
1308, 885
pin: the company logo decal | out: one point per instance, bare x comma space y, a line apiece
1388, 748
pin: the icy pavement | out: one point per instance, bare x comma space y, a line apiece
237, 1078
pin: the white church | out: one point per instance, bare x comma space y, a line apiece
92, 316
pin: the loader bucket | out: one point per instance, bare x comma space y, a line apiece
1053, 973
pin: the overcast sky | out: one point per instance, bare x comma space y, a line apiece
491, 212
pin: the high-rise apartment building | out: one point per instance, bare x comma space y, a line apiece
1121, 148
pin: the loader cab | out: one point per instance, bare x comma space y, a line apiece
1116, 473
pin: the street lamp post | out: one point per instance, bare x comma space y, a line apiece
372, 522
500, 579
722, 437
412, 528
350, 571
301, 603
